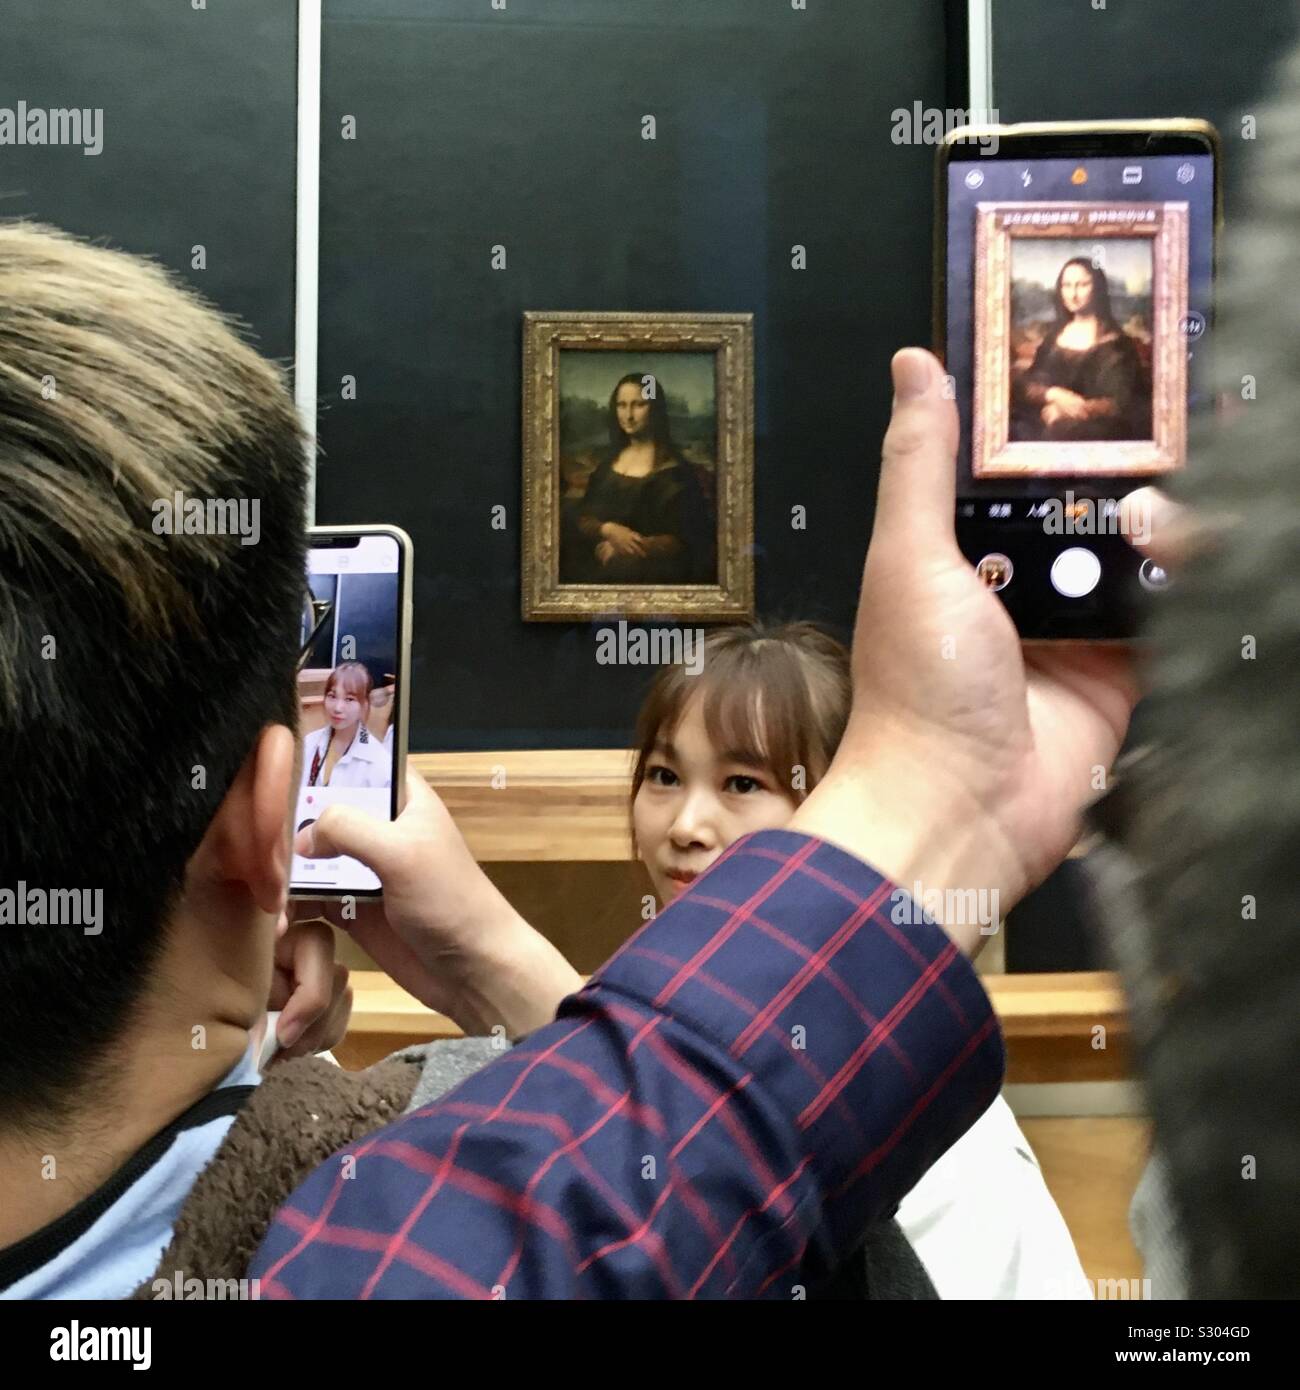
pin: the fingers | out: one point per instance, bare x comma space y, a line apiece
917, 497
1157, 526
385, 846
625, 541
347, 830
329, 1028
306, 958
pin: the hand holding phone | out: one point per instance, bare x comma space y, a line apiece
968, 756
443, 931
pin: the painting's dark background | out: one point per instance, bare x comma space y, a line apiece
200, 139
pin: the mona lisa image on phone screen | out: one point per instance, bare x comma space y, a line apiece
1074, 278
352, 690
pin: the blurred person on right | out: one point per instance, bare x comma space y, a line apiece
1197, 877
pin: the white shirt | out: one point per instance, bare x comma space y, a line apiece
984, 1224
367, 763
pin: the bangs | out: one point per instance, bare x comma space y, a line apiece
774, 700
351, 680
738, 718
754, 702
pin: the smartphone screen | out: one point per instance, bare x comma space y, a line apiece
348, 690
1077, 305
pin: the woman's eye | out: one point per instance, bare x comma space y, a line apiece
662, 776
744, 785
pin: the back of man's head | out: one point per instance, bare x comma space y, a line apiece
138, 661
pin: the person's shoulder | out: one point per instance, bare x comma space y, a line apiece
994, 1146
370, 749
446, 1062
677, 472
1118, 342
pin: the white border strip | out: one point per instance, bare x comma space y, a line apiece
1075, 1098
307, 271
979, 41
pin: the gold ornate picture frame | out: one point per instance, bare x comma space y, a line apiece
569, 434
994, 454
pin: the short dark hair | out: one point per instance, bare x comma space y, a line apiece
136, 669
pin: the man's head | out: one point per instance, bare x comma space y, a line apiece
139, 661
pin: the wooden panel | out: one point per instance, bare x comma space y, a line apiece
1062, 1027
567, 804
1091, 1165
1053, 1004
1047, 1021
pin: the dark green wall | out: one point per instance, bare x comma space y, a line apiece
523, 128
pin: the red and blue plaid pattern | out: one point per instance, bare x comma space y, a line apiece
763, 1070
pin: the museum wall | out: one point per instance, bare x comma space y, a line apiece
524, 129
196, 158
1073, 62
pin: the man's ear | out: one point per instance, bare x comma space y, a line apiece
248, 840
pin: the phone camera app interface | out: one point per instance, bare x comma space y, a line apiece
347, 696
1078, 295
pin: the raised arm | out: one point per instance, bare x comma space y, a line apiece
763, 1070
769, 1064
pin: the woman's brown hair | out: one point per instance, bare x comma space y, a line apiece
354, 678
773, 697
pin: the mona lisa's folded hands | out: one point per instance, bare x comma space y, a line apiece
969, 756
1065, 403
443, 931
622, 540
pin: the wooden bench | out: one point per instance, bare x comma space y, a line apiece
1049, 1023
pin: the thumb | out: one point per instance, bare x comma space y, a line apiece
917, 496
1157, 526
347, 830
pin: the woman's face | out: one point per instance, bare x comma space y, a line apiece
695, 802
343, 711
1076, 288
633, 409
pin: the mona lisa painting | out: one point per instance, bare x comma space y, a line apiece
1080, 350
638, 466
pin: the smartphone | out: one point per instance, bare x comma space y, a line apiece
353, 687
1074, 283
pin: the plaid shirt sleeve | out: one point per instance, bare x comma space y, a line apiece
763, 1070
